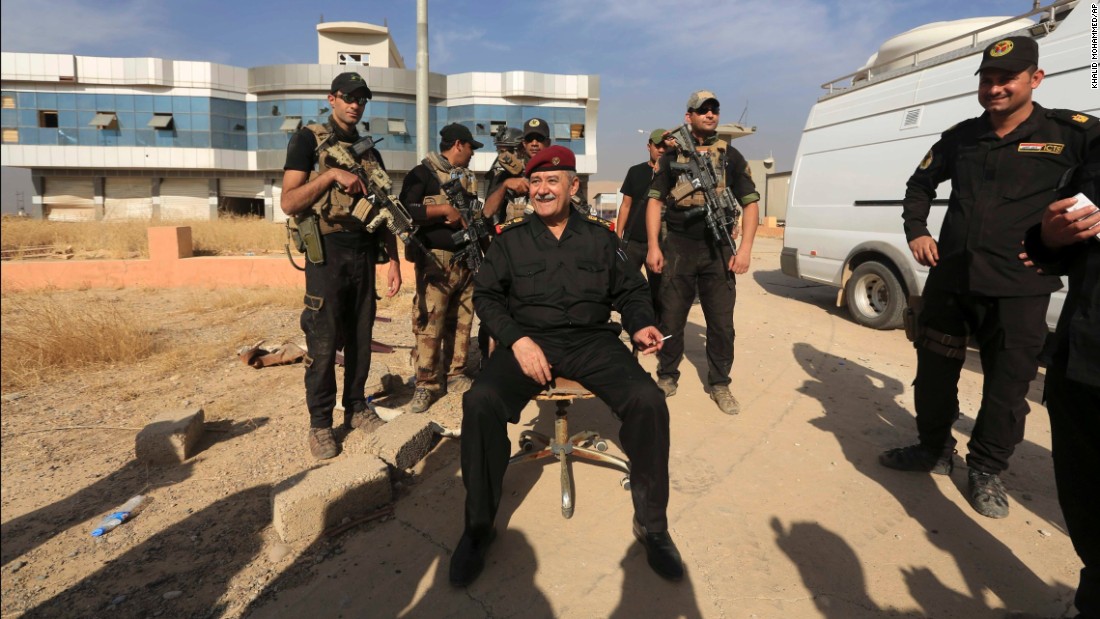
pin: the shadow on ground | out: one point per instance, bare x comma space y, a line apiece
865, 429
24, 533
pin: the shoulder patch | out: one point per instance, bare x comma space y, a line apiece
511, 223
1074, 118
927, 161
599, 221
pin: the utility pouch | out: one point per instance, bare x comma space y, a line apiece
308, 238
294, 236
912, 314
680, 191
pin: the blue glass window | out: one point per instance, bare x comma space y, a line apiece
145, 137
28, 118
181, 105
143, 103
162, 103
182, 121
66, 101
200, 105
47, 101
200, 122
25, 100
105, 103
200, 139
124, 103
9, 118
67, 118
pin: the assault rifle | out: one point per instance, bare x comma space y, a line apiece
721, 210
475, 229
390, 211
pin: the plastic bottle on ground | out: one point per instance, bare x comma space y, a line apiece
121, 514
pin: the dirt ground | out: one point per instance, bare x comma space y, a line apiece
781, 511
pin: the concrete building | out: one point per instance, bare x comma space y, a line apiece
114, 138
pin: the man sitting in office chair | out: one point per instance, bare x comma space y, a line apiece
546, 290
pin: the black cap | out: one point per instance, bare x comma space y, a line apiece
348, 83
537, 126
1013, 54
455, 132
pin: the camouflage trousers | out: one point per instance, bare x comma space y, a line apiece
443, 312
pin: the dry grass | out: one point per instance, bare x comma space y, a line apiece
244, 299
46, 336
128, 239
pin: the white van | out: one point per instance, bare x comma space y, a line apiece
866, 135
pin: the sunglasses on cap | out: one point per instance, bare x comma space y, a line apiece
349, 99
703, 110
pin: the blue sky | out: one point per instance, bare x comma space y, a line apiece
765, 59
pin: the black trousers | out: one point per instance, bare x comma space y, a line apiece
1010, 332
1075, 443
635, 257
691, 265
600, 362
339, 313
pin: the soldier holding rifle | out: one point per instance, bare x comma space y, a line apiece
700, 182
443, 306
339, 298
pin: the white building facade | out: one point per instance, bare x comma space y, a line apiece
152, 138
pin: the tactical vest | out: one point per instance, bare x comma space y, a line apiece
512, 164
444, 172
334, 207
683, 195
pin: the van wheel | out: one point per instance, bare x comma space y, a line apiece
875, 296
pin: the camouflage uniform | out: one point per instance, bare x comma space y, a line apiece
442, 317
443, 306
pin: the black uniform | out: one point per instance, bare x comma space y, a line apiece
340, 302
692, 261
1073, 389
979, 287
636, 185
560, 292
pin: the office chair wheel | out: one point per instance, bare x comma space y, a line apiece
625, 483
600, 444
525, 444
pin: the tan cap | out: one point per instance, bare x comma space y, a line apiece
699, 97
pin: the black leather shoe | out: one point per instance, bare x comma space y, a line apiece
661, 552
469, 559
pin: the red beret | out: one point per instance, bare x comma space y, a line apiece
550, 159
